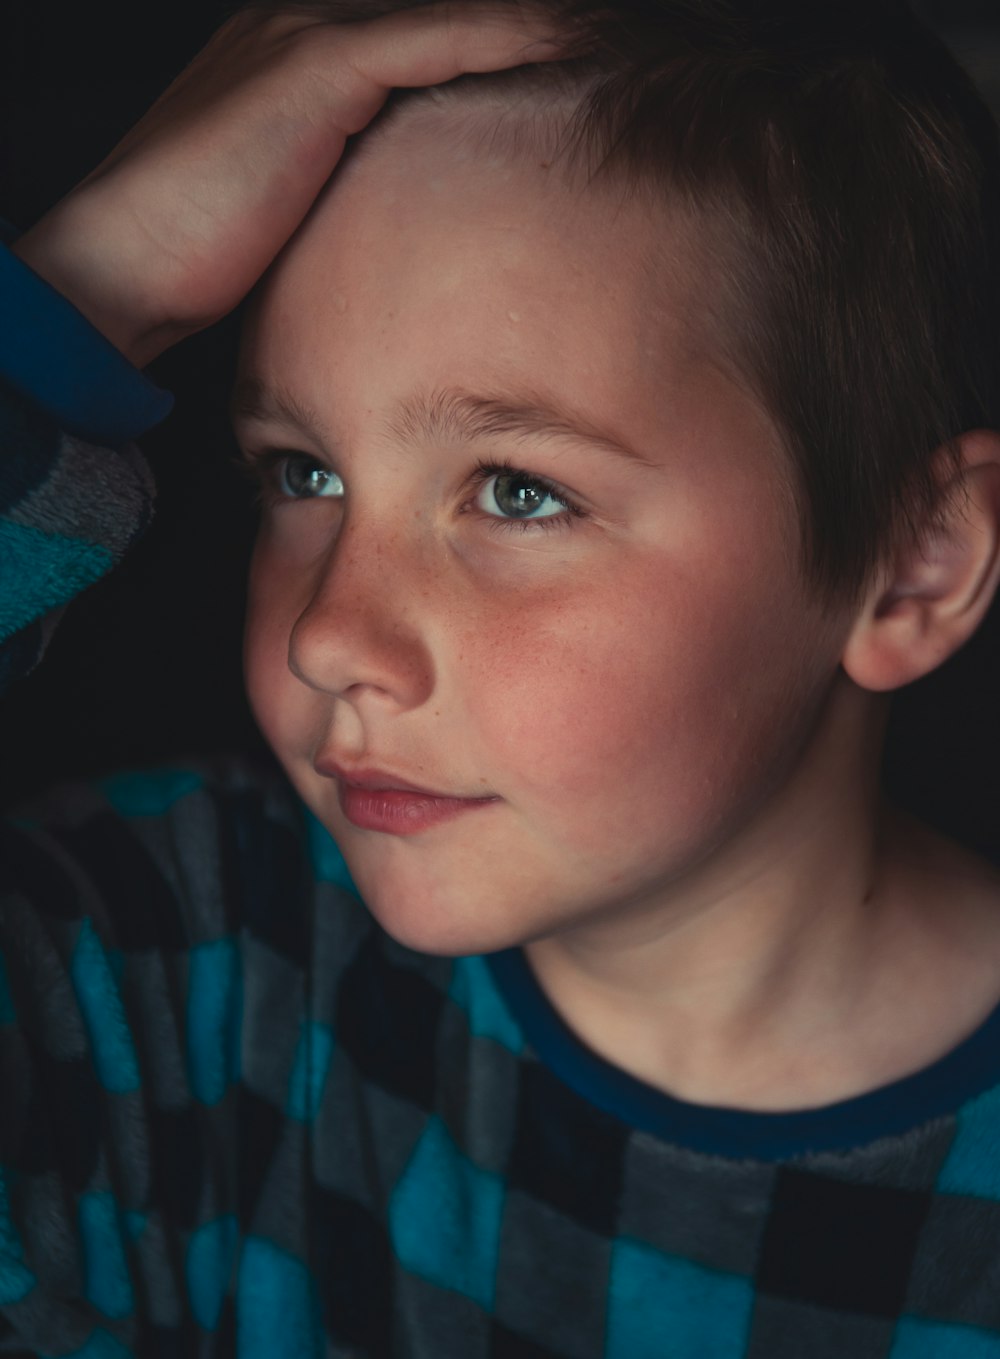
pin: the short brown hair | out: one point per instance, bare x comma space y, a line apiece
853, 173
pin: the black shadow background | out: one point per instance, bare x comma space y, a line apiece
146, 665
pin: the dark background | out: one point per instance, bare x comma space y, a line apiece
147, 664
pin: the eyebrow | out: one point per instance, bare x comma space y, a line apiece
252, 400
448, 414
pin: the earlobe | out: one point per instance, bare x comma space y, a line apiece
928, 601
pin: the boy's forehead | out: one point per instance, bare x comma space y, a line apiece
456, 262
436, 172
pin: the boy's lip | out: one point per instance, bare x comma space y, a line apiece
380, 780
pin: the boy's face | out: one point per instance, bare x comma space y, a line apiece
629, 681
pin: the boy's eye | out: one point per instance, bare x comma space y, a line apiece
303, 478
516, 495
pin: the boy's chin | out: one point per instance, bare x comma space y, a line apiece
444, 920
442, 929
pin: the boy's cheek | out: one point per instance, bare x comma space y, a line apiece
703, 736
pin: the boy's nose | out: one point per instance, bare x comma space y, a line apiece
360, 636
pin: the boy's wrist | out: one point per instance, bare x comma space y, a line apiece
85, 280
58, 349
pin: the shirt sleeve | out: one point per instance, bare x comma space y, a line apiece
74, 491
53, 357
74, 494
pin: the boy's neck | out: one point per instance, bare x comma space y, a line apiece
839, 946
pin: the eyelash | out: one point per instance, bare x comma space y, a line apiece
261, 467
482, 473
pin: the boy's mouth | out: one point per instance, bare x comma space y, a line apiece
373, 799
375, 780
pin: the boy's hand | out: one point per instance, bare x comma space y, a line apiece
178, 223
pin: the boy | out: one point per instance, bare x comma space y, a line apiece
612, 473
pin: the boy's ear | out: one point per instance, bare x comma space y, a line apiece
929, 600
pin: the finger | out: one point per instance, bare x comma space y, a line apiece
434, 44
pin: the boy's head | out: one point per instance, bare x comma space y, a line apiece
611, 388
840, 182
